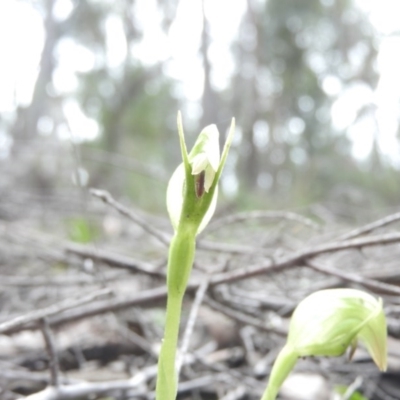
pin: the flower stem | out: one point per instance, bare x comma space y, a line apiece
180, 261
283, 365
166, 378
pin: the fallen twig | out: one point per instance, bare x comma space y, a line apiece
380, 223
34, 316
245, 216
113, 259
51, 350
371, 284
108, 199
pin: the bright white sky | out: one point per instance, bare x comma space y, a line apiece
21, 40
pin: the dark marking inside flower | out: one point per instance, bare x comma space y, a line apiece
199, 183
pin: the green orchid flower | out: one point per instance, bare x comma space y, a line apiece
203, 162
328, 322
191, 200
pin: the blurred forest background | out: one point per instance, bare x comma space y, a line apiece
300, 77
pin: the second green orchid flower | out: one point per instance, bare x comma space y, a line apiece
326, 323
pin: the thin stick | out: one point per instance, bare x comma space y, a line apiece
84, 389
108, 199
243, 318
302, 255
49, 311
353, 388
349, 277
231, 248
51, 351
113, 259
245, 216
380, 223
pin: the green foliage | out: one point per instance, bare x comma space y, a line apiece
355, 396
81, 230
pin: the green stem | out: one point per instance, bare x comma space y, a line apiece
166, 379
284, 363
180, 261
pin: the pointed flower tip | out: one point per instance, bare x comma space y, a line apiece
211, 131
374, 336
179, 116
179, 123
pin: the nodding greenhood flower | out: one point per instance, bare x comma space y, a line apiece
326, 323
192, 190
